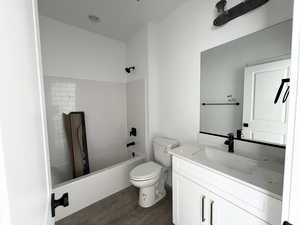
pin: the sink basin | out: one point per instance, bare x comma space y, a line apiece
227, 160
262, 174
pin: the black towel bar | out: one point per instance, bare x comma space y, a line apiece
235, 103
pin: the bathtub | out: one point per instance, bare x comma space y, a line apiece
88, 189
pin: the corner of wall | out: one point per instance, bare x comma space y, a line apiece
5, 206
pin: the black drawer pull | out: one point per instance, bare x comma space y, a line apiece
203, 206
212, 212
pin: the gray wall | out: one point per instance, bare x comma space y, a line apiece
222, 74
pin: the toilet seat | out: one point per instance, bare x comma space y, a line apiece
145, 171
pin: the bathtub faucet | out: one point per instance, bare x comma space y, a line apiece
130, 144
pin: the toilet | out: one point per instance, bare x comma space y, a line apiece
151, 176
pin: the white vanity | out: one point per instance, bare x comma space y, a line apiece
214, 187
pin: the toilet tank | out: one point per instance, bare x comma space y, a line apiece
161, 145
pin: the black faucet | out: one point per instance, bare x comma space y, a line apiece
130, 144
230, 143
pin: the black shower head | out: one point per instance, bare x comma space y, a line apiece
129, 69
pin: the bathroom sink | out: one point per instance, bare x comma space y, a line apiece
227, 160
261, 174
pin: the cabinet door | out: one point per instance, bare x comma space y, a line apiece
188, 202
223, 212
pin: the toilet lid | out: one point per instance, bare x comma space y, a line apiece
145, 171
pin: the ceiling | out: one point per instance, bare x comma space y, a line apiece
119, 18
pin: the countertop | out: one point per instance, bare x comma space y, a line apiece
263, 175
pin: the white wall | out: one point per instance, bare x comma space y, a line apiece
71, 52
5, 212
222, 74
136, 114
152, 92
137, 55
22, 125
84, 72
181, 37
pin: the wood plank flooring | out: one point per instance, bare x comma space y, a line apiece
122, 209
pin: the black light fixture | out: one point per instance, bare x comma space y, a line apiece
236, 11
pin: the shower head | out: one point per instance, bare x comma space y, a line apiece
129, 69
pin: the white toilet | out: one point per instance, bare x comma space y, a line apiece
151, 177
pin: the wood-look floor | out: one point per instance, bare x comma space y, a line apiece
122, 209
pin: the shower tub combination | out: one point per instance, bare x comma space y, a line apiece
88, 189
87, 142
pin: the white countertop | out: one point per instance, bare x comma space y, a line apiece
264, 175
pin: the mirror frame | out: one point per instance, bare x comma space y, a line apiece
238, 139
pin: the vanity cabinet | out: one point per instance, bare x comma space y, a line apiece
197, 201
223, 212
194, 205
188, 202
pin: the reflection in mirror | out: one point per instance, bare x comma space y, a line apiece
240, 81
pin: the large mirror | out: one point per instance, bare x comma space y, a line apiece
245, 86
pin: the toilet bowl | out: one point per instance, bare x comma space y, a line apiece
147, 177
151, 176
